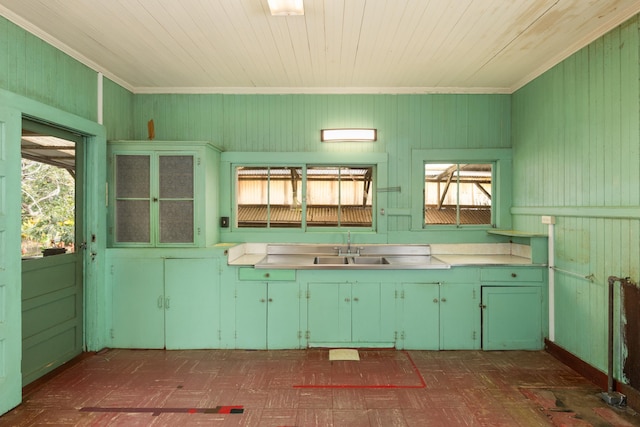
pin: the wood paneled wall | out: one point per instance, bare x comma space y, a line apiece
576, 147
292, 123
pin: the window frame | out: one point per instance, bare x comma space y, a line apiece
231, 160
501, 159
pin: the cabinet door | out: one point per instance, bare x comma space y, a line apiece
459, 316
512, 318
132, 198
176, 202
329, 313
421, 316
283, 315
251, 315
138, 303
192, 308
366, 323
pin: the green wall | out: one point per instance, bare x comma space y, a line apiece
292, 124
576, 153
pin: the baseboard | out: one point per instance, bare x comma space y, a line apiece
592, 373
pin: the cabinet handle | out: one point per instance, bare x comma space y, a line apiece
262, 300
435, 300
270, 299
443, 299
483, 305
267, 275
160, 301
514, 275
356, 299
167, 300
347, 300
155, 199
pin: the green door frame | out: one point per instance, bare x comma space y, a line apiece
95, 315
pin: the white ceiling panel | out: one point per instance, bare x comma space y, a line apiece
338, 46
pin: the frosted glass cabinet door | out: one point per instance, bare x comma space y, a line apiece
155, 199
133, 198
176, 198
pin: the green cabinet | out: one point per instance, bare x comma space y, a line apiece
165, 303
512, 308
512, 318
439, 316
162, 195
359, 314
267, 313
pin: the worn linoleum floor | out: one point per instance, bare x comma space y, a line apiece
385, 388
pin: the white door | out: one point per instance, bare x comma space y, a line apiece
10, 286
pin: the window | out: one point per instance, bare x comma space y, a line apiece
269, 196
335, 196
458, 193
48, 190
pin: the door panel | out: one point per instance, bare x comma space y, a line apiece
512, 318
192, 289
138, 303
459, 316
365, 314
283, 315
421, 316
329, 314
10, 306
251, 315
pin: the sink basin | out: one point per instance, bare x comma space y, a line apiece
332, 260
369, 260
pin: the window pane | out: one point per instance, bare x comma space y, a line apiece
269, 196
339, 196
458, 193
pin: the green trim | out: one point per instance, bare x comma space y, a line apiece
614, 212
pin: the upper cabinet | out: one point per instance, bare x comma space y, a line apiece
163, 194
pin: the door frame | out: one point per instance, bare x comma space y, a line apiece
95, 310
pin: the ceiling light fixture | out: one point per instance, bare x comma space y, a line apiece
330, 135
286, 7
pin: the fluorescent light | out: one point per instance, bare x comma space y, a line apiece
286, 7
327, 135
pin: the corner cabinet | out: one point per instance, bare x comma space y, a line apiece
163, 194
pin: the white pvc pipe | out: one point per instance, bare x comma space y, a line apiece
552, 285
100, 97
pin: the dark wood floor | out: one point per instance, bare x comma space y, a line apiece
385, 388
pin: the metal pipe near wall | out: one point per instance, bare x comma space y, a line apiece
612, 397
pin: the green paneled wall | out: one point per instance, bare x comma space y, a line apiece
292, 123
117, 111
576, 151
33, 68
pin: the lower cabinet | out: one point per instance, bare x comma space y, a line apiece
165, 303
361, 314
512, 318
267, 313
439, 316
512, 308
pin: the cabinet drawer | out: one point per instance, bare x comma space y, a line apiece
266, 275
511, 274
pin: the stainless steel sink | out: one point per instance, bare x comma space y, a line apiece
331, 260
369, 260
301, 256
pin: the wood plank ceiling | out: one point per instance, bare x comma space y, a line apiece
338, 46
